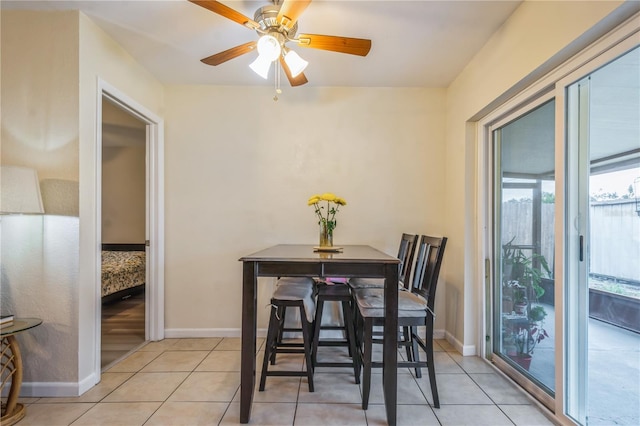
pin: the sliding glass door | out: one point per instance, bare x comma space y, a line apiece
565, 241
524, 243
603, 244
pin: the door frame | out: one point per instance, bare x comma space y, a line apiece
154, 221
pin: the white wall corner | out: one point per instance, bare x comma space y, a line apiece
465, 350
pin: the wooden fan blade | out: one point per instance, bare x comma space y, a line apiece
228, 54
290, 11
227, 12
352, 46
298, 80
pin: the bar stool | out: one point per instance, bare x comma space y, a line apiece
336, 292
301, 297
305, 282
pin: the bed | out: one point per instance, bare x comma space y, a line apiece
123, 271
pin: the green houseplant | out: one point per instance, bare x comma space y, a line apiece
523, 273
523, 334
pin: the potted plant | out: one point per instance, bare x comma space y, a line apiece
526, 335
520, 300
522, 271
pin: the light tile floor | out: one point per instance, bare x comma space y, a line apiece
196, 382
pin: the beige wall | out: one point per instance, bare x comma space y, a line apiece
39, 255
123, 176
39, 118
240, 168
123, 194
538, 34
51, 62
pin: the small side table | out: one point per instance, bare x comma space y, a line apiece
11, 368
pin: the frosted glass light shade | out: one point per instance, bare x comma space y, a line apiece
261, 66
295, 63
269, 47
269, 50
19, 191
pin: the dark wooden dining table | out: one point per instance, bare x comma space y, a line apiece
295, 260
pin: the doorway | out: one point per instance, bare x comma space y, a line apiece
123, 229
154, 215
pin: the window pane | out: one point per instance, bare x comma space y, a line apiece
525, 244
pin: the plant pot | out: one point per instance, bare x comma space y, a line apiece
523, 360
520, 308
507, 305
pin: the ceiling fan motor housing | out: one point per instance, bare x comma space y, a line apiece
267, 17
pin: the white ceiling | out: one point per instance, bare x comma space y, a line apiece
417, 43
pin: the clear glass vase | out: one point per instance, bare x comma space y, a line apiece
326, 234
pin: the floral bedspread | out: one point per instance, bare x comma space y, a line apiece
122, 270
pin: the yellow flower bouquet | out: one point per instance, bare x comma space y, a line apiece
326, 215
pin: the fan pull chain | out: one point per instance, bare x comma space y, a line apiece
277, 82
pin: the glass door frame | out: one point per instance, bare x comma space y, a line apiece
493, 235
572, 91
554, 84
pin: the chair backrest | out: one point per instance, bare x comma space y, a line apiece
430, 252
406, 252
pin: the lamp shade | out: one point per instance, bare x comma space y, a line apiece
269, 47
295, 63
19, 191
261, 66
269, 50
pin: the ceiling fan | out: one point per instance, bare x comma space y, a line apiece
276, 24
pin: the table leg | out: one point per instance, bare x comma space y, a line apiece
12, 411
248, 353
390, 348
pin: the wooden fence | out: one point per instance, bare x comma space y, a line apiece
614, 249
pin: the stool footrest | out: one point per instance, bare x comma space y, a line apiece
334, 364
333, 343
289, 351
287, 374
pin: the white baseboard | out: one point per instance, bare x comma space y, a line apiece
50, 389
55, 389
465, 350
183, 333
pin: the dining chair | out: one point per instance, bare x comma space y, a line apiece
415, 308
290, 294
406, 251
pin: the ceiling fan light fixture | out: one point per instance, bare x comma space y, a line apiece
261, 66
269, 47
295, 63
